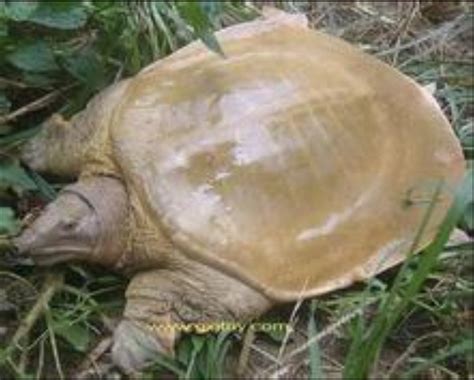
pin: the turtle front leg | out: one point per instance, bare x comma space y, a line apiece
57, 149
61, 145
161, 304
137, 338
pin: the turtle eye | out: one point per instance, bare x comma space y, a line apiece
69, 224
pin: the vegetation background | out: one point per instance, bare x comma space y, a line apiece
412, 322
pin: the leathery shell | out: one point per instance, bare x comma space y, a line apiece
297, 163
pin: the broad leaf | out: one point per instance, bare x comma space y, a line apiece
8, 224
194, 15
78, 336
13, 176
211, 8
38, 80
60, 15
34, 57
87, 68
18, 10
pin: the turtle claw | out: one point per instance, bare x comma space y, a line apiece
135, 348
122, 355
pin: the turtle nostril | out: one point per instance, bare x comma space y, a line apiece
19, 244
24, 242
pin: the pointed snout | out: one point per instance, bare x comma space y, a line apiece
37, 248
66, 230
22, 245
25, 242
35, 235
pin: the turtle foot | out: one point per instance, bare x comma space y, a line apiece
136, 347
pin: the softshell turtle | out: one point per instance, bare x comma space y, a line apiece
294, 166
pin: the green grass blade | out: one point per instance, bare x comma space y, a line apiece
466, 346
364, 351
44, 187
17, 138
315, 366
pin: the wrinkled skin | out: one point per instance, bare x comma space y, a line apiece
68, 229
83, 224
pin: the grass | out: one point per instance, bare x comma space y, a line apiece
368, 341
411, 322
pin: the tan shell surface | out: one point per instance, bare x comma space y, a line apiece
291, 163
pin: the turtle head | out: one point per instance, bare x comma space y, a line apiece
84, 223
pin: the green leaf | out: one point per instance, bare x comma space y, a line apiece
194, 15
211, 42
219, 351
34, 57
197, 342
165, 362
8, 224
17, 138
75, 334
43, 186
38, 80
184, 350
60, 15
211, 8
315, 365
18, 10
13, 176
87, 68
